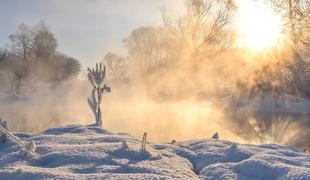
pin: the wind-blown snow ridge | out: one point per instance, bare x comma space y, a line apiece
89, 152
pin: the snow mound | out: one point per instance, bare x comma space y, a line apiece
89, 152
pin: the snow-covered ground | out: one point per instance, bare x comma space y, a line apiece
89, 152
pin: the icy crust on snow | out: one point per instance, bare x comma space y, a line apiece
215, 159
89, 152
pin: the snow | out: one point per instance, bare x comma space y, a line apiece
89, 152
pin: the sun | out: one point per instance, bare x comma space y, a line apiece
258, 27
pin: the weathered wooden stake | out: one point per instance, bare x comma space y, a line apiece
144, 142
28, 148
3, 135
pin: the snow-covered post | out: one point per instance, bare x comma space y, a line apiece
173, 141
29, 148
3, 135
124, 144
143, 148
96, 78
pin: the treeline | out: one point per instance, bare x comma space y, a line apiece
149, 48
31, 61
177, 57
194, 52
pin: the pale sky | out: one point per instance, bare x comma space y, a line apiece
85, 29
88, 29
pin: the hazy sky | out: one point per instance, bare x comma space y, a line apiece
85, 29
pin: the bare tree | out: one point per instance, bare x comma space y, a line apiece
31, 60
297, 16
36, 41
44, 42
202, 26
117, 66
3, 54
149, 48
21, 41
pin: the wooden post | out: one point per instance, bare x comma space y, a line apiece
143, 148
3, 135
29, 148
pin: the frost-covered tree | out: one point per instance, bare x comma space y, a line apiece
150, 48
117, 67
295, 14
202, 26
21, 41
33, 42
96, 77
31, 61
44, 42
3, 54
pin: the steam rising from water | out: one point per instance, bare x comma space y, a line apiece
126, 109
47, 107
131, 109
165, 121
180, 104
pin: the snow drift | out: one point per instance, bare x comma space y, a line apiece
89, 152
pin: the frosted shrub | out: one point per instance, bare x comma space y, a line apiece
96, 77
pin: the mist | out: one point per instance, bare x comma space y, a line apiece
187, 105
180, 91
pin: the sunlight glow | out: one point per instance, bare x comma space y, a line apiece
259, 28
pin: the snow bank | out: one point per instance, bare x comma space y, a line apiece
214, 159
89, 152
